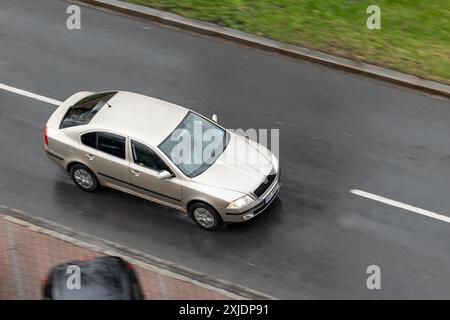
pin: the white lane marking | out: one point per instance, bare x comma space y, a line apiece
401, 205
29, 94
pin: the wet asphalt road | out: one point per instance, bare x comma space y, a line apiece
338, 131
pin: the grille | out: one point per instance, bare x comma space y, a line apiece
263, 186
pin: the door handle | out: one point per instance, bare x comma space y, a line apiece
90, 157
136, 173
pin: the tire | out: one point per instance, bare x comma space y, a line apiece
84, 178
205, 216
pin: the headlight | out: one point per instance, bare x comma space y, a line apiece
239, 203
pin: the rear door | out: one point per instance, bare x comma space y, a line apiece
105, 154
145, 164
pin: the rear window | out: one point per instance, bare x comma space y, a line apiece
84, 110
112, 144
90, 139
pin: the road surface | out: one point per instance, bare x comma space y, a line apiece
338, 132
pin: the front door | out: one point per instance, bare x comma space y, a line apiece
144, 168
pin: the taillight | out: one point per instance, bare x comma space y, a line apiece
45, 137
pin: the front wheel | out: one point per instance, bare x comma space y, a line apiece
205, 216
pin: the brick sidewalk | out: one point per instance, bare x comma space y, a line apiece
26, 256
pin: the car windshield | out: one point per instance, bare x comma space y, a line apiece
195, 144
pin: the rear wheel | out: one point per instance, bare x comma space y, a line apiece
84, 178
205, 216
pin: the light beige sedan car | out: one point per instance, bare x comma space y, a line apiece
164, 153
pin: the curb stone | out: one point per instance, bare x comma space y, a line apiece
138, 258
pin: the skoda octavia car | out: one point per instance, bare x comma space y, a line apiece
164, 153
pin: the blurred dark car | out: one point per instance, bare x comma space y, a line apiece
102, 278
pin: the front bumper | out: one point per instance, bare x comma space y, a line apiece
260, 206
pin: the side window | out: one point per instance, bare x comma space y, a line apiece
112, 144
90, 139
145, 157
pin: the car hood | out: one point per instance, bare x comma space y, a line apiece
242, 167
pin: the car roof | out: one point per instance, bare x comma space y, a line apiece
102, 278
141, 117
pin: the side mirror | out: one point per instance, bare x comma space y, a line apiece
164, 174
214, 117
